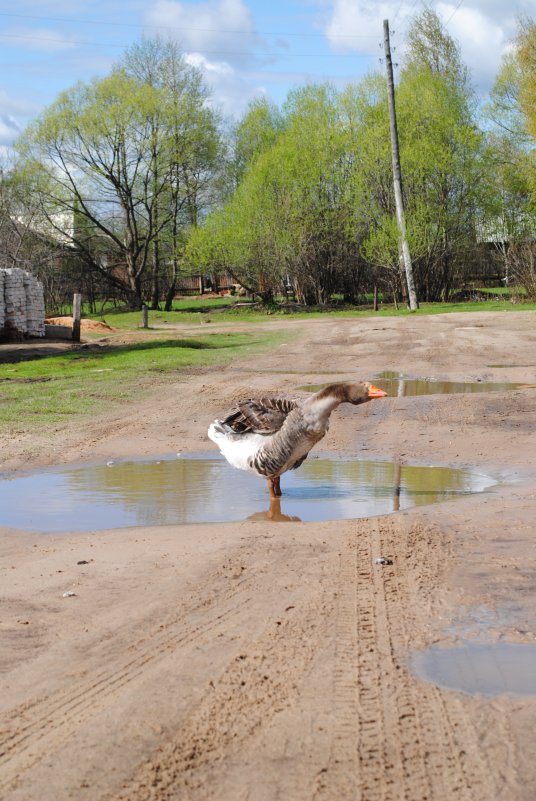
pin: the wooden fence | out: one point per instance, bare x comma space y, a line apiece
199, 284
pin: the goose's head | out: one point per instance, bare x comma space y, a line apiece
360, 392
330, 396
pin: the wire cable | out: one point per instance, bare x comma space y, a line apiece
175, 28
455, 10
260, 54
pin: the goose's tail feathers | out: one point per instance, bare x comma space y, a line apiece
217, 431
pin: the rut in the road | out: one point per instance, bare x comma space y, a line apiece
390, 737
45, 724
396, 738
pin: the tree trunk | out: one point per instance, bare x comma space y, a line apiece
133, 287
169, 296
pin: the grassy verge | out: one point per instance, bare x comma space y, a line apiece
50, 391
211, 310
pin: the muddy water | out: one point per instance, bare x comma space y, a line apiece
476, 668
397, 385
205, 489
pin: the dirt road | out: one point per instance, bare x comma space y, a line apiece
260, 661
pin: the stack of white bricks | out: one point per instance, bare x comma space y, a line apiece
22, 302
35, 305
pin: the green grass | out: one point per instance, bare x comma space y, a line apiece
49, 391
254, 313
197, 304
471, 306
200, 309
186, 311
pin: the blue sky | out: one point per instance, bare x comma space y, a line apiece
246, 48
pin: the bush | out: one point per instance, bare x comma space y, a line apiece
522, 266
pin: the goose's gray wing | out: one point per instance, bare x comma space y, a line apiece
260, 415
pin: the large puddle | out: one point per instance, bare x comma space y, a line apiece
400, 386
490, 670
202, 488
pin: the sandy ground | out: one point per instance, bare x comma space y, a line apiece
260, 660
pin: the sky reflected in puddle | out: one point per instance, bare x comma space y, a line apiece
490, 670
203, 488
400, 386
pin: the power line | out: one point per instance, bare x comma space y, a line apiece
455, 10
397, 12
407, 15
175, 28
261, 54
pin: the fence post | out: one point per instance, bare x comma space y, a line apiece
145, 315
77, 307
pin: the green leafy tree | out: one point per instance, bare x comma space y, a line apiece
289, 217
124, 158
441, 156
255, 134
526, 56
187, 148
509, 210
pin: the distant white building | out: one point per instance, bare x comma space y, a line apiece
59, 228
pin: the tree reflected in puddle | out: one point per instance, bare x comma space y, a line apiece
203, 488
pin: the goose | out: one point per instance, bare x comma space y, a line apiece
270, 435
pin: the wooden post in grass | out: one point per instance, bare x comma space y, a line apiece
145, 315
77, 307
375, 298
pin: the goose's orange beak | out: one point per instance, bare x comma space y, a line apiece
375, 392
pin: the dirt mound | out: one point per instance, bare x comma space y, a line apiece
85, 325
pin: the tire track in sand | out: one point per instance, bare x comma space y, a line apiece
395, 738
51, 721
256, 686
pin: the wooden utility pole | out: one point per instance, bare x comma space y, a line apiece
397, 173
77, 307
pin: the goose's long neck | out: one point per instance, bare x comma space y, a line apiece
323, 403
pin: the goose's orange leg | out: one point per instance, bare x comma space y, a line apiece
274, 486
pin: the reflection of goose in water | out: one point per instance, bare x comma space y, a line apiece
269, 436
274, 513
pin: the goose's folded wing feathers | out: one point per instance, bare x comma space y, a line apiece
260, 416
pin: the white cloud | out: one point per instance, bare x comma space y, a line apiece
483, 28
18, 108
9, 129
14, 114
482, 40
219, 68
218, 37
357, 26
39, 39
215, 27
231, 90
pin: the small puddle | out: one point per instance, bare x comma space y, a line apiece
398, 385
476, 668
204, 488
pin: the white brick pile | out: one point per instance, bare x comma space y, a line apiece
35, 306
22, 303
